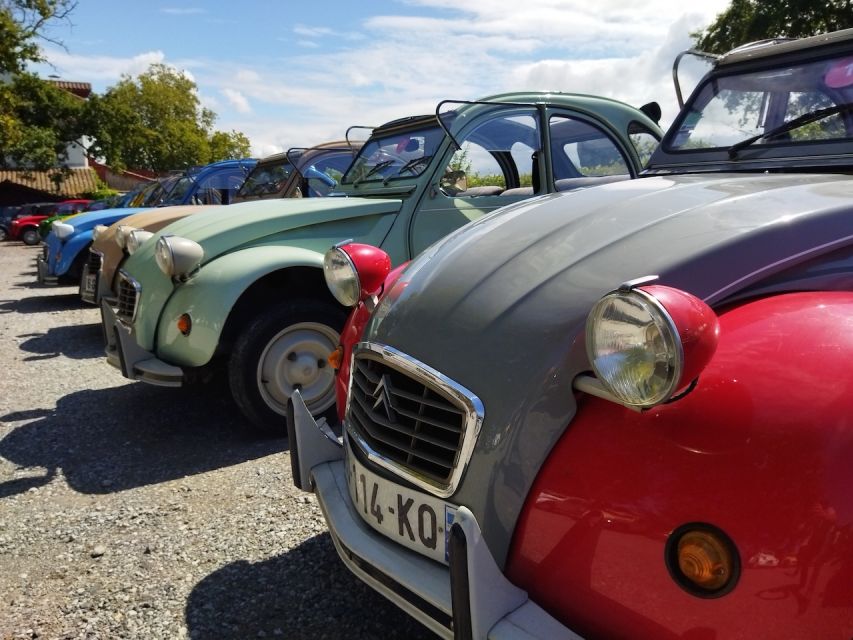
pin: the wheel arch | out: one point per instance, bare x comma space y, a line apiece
224, 293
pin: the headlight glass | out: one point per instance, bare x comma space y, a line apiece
122, 234
163, 256
136, 238
98, 231
634, 347
341, 277
178, 257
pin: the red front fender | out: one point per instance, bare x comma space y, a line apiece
762, 449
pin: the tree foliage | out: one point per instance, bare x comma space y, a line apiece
22, 24
750, 20
156, 122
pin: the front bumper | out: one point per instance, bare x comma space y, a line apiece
43, 272
470, 599
134, 362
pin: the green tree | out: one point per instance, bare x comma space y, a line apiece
750, 20
37, 120
226, 145
22, 25
156, 122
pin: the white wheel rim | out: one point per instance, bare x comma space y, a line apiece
297, 357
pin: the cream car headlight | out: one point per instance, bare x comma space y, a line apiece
62, 230
122, 234
98, 231
178, 257
135, 239
634, 347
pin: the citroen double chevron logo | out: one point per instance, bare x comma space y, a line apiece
382, 393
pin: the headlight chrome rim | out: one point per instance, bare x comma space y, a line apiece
669, 335
98, 231
178, 257
337, 284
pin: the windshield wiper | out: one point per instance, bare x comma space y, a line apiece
407, 167
377, 167
796, 123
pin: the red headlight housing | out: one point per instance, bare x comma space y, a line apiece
355, 271
646, 343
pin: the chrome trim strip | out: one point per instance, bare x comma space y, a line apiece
467, 400
137, 287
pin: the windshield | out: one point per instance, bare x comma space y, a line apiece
158, 192
267, 178
731, 109
394, 155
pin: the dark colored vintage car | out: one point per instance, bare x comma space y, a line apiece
623, 412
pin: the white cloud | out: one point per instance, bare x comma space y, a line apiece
183, 11
237, 100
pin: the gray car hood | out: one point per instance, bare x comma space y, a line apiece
499, 306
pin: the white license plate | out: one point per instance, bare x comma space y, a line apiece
91, 282
415, 520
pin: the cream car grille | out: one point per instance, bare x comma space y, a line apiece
411, 419
128, 294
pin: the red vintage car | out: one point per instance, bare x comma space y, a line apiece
623, 412
26, 228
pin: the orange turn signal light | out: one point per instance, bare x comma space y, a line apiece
703, 560
336, 358
185, 324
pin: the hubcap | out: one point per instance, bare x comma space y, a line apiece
296, 358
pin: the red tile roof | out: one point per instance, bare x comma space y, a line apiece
80, 181
81, 89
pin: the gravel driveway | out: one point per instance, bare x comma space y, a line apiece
130, 511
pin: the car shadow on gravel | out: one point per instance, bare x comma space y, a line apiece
78, 341
110, 440
44, 304
306, 593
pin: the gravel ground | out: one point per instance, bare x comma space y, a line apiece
130, 511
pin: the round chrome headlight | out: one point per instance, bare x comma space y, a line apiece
135, 239
98, 231
634, 347
178, 257
341, 277
122, 234
62, 230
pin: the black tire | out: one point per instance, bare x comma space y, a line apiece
30, 236
300, 332
75, 271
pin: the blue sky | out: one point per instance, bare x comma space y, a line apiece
299, 73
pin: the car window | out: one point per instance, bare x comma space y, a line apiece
326, 173
219, 187
733, 108
394, 156
643, 140
582, 150
267, 178
496, 155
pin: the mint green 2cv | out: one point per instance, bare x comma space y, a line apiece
246, 294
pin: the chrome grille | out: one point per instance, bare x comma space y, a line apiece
94, 262
45, 252
128, 294
410, 419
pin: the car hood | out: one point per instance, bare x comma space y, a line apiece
87, 221
225, 228
148, 219
499, 307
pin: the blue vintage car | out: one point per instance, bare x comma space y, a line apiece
67, 245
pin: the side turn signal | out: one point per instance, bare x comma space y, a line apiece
336, 358
703, 560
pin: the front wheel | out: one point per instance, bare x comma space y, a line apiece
30, 236
284, 349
